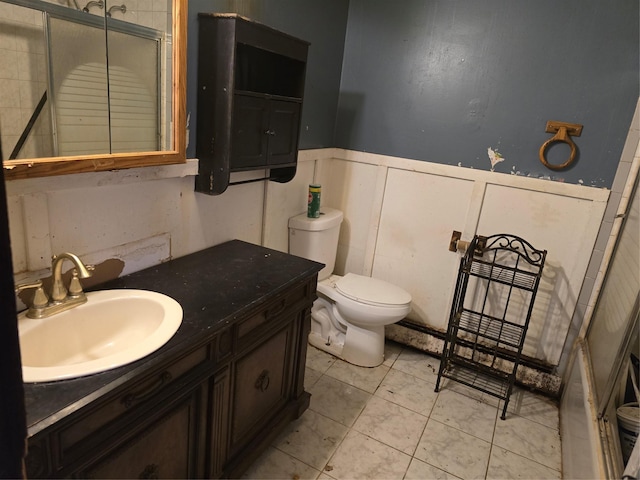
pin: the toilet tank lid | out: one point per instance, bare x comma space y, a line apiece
329, 218
372, 291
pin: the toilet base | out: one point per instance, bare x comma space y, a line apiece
320, 343
364, 348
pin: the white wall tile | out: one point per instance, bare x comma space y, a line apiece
580, 449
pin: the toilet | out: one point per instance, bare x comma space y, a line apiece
349, 316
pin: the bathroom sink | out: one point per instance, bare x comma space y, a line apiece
113, 328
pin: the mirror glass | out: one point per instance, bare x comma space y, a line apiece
91, 80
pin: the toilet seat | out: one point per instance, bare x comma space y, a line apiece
371, 291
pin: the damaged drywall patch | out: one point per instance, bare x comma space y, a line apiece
495, 157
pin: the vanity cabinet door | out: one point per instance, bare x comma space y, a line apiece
219, 422
262, 386
164, 446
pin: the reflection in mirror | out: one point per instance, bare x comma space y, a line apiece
139, 66
77, 92
69, 87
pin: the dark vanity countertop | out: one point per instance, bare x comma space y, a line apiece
213, 286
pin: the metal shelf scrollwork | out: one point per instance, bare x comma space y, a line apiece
484, 337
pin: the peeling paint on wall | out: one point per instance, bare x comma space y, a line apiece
495, 157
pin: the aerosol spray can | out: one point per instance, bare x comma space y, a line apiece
313, 204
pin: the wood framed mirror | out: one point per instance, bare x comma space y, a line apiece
171, 103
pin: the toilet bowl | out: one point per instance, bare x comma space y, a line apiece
349, 316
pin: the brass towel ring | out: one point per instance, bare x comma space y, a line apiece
563, 132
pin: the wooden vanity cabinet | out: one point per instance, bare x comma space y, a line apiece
207, 412
164, 445
250, 93
151, 425
267, 387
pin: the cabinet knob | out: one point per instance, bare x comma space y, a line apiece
270, 132
150, 471
262, 382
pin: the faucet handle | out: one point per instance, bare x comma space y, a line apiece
40, 299
24, 286
75, 287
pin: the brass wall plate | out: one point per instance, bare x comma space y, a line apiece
453, 243
573, 129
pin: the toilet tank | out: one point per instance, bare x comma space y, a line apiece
316, 238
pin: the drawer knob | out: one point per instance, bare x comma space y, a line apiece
262, 382
150, 471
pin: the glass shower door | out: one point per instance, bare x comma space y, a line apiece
78, 88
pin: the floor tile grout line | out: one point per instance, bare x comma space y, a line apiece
524, 456
351, 428
323, 469
428, 417
493, 436
393, 367
529, 459
297, 459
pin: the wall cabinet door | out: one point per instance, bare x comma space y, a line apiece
265, 132
284, 122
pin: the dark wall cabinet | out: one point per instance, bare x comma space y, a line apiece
250, 91
205, 412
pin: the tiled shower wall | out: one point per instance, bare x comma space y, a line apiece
23, 78
582, 448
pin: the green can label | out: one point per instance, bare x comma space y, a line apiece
313, 203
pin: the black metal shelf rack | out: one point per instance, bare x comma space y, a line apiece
493, 300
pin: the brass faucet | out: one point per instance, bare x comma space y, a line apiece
60, 299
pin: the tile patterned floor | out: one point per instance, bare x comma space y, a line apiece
388, 423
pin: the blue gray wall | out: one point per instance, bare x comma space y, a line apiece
443, 80
322, 23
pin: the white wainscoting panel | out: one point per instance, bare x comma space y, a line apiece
419, 213
400, 214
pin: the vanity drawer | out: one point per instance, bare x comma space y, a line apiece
256, 325
124, 404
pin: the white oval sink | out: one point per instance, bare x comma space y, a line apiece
113, 328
